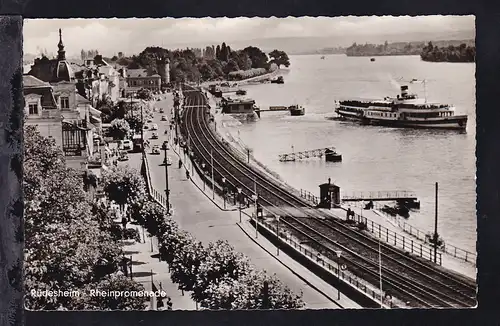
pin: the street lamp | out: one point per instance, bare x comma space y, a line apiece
255, 197
167, 190
224, 191
239, 201
277, 234
338, 253
203, 168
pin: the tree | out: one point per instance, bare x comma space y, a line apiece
221, 261
119, 129
118, 283
186, 262
217, 52
67, 247
145, 94
259, 59
255, 290
123, 185
280, 58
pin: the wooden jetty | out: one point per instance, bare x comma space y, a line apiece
398, 195
295, 110
329, 153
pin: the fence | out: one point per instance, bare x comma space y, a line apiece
449, 249
344, 275
309, 196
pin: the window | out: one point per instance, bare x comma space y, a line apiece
64, 102
33, 109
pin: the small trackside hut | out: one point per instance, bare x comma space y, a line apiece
329, 195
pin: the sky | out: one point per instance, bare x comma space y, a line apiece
131, 36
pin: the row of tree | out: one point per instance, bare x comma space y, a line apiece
217, 276
460, 53
214, 63
71, 243
368, 49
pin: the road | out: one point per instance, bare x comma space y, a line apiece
195, 213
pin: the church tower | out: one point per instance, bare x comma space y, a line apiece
62, 71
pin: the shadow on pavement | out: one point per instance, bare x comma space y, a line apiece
128, 253
142, 274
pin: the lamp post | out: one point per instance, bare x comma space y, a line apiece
203, 168
338, 253
167, 190
212, 163
224, 191
278, 235
380, 272
142, 129
239, 201
255, 197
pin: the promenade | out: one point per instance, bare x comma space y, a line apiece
197, 212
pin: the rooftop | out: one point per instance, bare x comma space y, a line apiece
31, 82
136, 73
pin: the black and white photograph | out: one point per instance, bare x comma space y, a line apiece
250, 163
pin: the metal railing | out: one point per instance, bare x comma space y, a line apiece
449, 249
344, 275
307, 195
380, 195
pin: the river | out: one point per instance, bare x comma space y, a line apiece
374, 158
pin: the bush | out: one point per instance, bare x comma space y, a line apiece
131, 234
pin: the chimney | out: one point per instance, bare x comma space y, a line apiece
329, 180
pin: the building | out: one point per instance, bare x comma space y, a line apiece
142, 78
76, 128
97, 81
237, 105
41, 109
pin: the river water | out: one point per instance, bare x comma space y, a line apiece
373, 158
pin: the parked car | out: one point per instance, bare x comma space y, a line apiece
167, 161
154, 126
150, 120
164, 118
165, 145
154, 135
126, 145
162, 110
155, 150
123, 156
146, 126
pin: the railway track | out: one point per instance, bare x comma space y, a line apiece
416, 282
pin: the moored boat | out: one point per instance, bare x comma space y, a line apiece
296, 110
405, 111
278, 80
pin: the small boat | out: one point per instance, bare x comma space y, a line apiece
372, 59
241, 92
278, 80
322, 57
332, 156
296, 110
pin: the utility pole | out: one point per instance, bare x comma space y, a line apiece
142, 130
167, 190
213, 181
436, 226
380, 272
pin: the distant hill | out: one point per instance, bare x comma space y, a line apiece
398, 48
